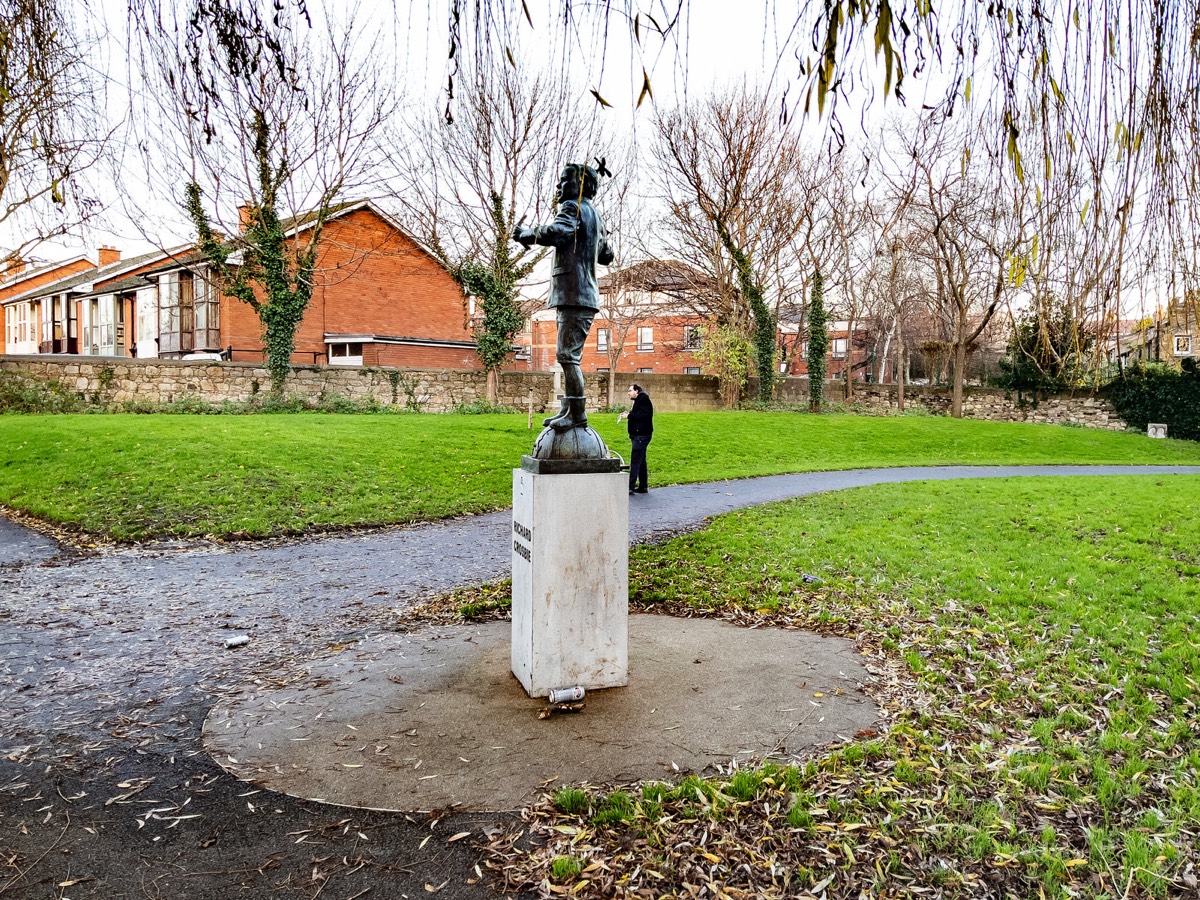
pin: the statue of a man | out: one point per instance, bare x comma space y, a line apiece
580, 241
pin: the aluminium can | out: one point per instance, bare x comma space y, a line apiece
566, 695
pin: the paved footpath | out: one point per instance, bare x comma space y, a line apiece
109, 663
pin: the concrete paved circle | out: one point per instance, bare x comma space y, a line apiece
434, 719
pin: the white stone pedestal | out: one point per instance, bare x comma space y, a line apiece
570, 580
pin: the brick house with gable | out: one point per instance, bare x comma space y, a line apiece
22, 322
378, 299
648, 323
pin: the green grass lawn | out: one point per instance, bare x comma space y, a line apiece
133, 477
1036, 642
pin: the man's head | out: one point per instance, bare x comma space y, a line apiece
568, 182
634, 390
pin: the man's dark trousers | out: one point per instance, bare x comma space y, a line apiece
639, 475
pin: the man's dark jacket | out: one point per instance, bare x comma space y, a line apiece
641, 417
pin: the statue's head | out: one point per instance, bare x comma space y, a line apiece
568, 182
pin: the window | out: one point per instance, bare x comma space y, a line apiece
16, 320
605, 369
837, 348
207, 303
602, 340
52, 324
345, 354
645, 338
103, 327
693, 337
644, 371
171, 337
691, 370
1183, 345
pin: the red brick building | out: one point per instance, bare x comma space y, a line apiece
378, 299
80, 308
23, 322
648, 323
645, 323
843, 351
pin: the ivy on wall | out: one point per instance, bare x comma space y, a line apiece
818, 342
765, 325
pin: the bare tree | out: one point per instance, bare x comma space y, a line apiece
266, 147
971, 219
51, 110
732, 183
847, 248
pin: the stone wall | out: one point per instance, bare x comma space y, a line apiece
1083, 409
117, 381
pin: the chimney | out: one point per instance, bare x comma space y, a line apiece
244, 211
108, 255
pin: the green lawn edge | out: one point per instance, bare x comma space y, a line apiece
132, 478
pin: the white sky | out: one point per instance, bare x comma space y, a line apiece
725, 43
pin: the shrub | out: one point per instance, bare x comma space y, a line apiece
483, 408
19, 394
1157, 393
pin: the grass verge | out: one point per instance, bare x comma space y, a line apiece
137, 477
1035, 642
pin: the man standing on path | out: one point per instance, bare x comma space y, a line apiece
641, 429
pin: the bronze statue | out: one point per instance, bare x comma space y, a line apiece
580, 241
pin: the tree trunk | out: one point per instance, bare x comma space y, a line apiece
849, 366
493, 387
612, 383
901, 370
960, 364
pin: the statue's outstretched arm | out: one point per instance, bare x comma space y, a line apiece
562, 229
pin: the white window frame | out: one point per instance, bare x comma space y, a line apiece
602, 340
646, 371
693, 337
691, 370
838, 348
645, 338
1183, 345
348, 358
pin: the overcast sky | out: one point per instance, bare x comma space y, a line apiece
723, 44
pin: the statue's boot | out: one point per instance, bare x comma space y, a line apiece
572, 415
563, 413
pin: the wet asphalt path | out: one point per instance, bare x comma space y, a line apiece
124, 626
108, 663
